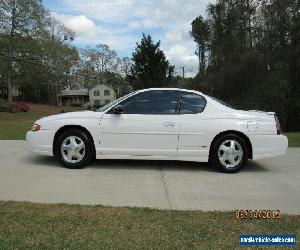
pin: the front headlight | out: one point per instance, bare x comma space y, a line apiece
36, 127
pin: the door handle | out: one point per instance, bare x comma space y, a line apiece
169, 124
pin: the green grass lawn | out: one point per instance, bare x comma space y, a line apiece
294, 139
13, 126
40, 226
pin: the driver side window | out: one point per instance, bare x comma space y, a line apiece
152, 102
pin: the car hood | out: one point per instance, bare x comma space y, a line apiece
71, 115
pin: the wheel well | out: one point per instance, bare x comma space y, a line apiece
64, 128
242, 135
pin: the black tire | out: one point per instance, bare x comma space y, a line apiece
214, 154
89, 148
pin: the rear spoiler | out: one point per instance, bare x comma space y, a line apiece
269, 113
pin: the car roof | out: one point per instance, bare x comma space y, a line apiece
207, 97
178, 89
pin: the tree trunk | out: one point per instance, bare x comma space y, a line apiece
249, 23
10, 54
202, 56
9, 73
9, 87
199, 57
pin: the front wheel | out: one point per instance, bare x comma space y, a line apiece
229, 153
74, 149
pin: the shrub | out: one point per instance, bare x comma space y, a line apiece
97, 106
7, 107
76, 105
22, 107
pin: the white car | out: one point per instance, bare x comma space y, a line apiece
160, 124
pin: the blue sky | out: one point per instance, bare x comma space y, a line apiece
120, 24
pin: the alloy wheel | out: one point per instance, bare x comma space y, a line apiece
73, 149
230, 153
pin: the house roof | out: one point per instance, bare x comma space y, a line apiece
74, 92
101, 85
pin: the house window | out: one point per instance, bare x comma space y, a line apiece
106, 92
96, 103
96, 93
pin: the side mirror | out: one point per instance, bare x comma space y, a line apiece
118, 109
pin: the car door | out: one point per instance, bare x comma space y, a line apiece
193, 126
148, 126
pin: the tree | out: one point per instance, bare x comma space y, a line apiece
200, 33
96, 63
100, 58
101, 65
150, 67
293, 119
253, 50
36, 49
19, 20
124, 65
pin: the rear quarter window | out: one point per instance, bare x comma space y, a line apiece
192, 103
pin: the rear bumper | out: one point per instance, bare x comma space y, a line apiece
40, 142
268, 146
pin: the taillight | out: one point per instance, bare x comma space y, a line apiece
36, 127
278, 127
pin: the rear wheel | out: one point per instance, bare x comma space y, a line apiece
74, 149
229, 153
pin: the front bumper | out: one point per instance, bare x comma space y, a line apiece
268, 146
40, 142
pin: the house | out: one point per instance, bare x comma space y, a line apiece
15, 92
97, 96
101, 95
73, 97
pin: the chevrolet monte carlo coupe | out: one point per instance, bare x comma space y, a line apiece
160, 124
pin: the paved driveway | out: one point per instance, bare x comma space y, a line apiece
265, 184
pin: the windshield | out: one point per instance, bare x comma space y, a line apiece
105, 107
